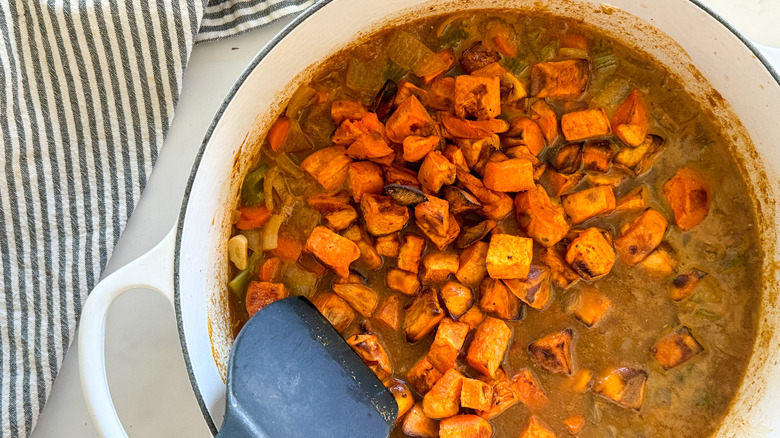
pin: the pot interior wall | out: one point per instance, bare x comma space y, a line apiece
721, 59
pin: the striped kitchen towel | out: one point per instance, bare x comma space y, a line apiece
88, 89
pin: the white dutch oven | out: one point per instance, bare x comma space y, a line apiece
714, 62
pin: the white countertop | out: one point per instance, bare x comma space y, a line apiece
146, 370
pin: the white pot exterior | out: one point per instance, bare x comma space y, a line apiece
747, 87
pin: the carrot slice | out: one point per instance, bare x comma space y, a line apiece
278, 133
253, 217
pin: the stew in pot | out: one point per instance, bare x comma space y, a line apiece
524, 229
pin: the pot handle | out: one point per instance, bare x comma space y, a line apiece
153, 270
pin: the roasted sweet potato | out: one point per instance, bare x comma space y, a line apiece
335, 251
590, 305
525, 132
540, 218
473, 317
404, 195
630, 120
495, 299
504, 395
561, 274
590, 254
438, 266
328, 166
553, 352
491, 70
527, 389
567, 159
389, 312
623, 385
473, 129
487, 348
435, 172
403, 397
410, 118
559, 79
597, 155
509, 256
457, 298
427, 223
461, 201
639, 159
545, 117
402, 281
328, 202
477, 96
382, 214
574, 424
689, 196
662, 261
534, 290
422, 315
465, 426
388, 246
433, 216
417, 425
498, 209
676, 348
262, 293
443, 400
469, 235
683, 285
585, 124
536, 429
580, 381
634, 200
560, 183
641, 236
473, 264
477, 152
401, 175
423, 375
411, 253
513, 175
476, 394
350, 130
416, 148
440, 96
585, 204
341, 219
447, 343
407, 89
341, 110
335, 309
361, 298
373, 353
444, 62
369, 146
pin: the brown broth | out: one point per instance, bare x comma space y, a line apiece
689, 400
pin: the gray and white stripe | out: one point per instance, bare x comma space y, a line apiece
87, 91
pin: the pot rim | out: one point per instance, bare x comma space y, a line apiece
303, 16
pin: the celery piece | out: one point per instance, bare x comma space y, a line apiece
393, 71
364, 75
298, 281
453, 36
604, 60
548, 50
515, 65
252, 189
408, 52
239, 284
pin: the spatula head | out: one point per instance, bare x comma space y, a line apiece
292, 375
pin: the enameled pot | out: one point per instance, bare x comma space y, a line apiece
717, 65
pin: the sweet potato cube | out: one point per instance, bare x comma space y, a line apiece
334, 250
416, 148
455, 155
372, 352
580, 381
447, 343
590, 254
465, 426
585, 124
689, 196
513, 175
495, 299
417, 425
590, 305
525, 132
361, 298
540, 218
527, 389
498, 209
468, 236
641, 236
369, 146
473, 317
328, 166
440, 96
335, 309
443, 400
329, 202
559, 79
567, 159
639, 159
477, 96
473, 264
676, 348
461, 201
457, 298
407, 89
534, 290
537, 429
487, 348
410, 118
341, 110
683, 285
433, 216
262, 293
630, 120
402, 281
509, 256
443, 63
350, 130
623, 385
410, 253
662, 261
438, 266
368, 254
597, 155
435, 172
341, 219
588, 203
401, 175
545, 117
634, 200
561, 274
477, 152
364, 177
553, 352
422, 315
473, 129
476, 394
389, 312
574, 424
504, 395
560, 183
423, 375
382, 214
388, 246
403, 397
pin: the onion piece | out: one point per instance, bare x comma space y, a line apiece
271, 232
